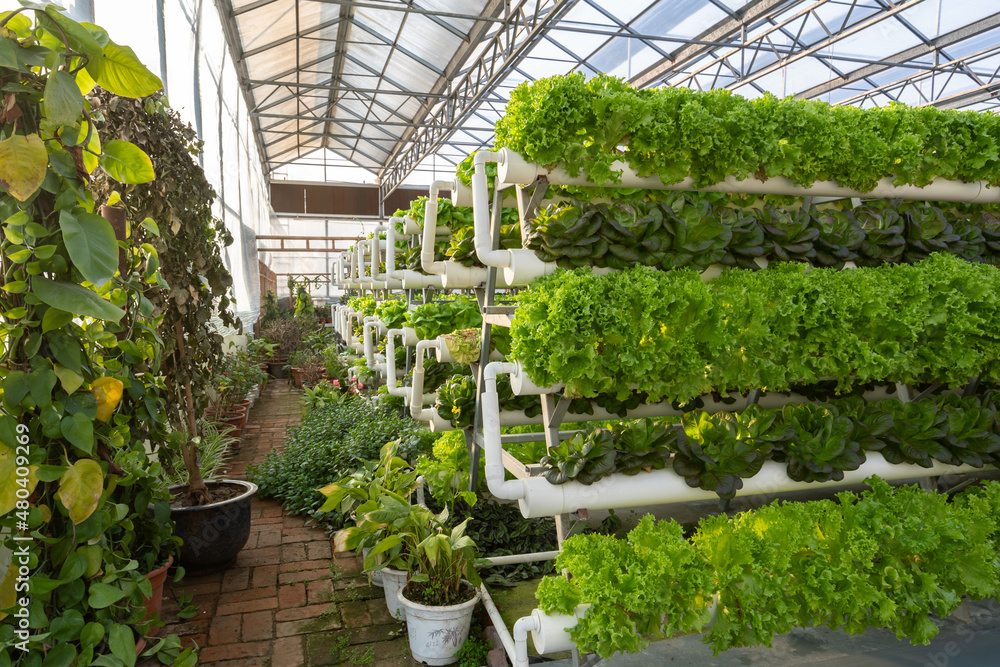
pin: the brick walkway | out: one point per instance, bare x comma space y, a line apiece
287, 601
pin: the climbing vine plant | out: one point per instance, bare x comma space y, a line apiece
79, 386
189, 243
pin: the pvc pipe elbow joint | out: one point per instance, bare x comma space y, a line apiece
430, 229
417, 410
522, 627
390, 364
481, 214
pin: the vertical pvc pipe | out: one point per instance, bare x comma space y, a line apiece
482, 238
430, 229
495, 482
390, 364
417, 410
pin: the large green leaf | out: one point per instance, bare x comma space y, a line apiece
63, 102
78, 37
92, 246
8, 54
80, 491
122, 643
23, 163
74, 299
119, 71
126, 163
79, 430
104, 595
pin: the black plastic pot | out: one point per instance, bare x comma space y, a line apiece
213, 534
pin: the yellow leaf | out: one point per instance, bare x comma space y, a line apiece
8, 596
46, 513
70, 380
108, 392
23, 163
10, 481
80, 489
85, 81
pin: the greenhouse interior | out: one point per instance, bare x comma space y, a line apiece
499, 332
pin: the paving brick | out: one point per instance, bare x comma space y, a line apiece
288, 652
236, 580
355, 614
291, 595
224, 630
301, 565
254, 557
305, 575
317, 624
245, 596
202, 588
240, 651
312, 611
264, 575
244, 607
319, 591
258, 625
269, 538
291, 535
293, 552
319, 549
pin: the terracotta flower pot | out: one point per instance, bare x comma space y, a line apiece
236, 419
154, 602
298, 376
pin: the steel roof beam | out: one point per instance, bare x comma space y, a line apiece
507, 47
398, 7
903, 57
725, 28
337, 73
284, 40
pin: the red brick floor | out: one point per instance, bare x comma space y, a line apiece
288, 600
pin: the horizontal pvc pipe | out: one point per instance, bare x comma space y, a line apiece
522, 385
516, 559
550, 632
513, 169
462, 196
458, 276
504, 489
417, 280
444, 355
665, 486
409, 336
410, 226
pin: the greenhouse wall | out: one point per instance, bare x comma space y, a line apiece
183, 42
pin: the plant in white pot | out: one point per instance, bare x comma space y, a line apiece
442, 592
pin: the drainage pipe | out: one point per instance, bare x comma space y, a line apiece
408, 279
497, 561
513, 169
520, 266
536, 497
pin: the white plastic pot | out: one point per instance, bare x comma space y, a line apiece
437, 633
392, 583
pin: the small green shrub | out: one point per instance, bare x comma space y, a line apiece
330, 443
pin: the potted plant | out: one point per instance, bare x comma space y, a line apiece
214, 515
287, 335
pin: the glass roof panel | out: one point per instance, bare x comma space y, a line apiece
428, 40
266, 25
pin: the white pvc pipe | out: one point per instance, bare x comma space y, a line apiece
444, 355
522, 627
522, 385
462, 196
520, 266
536, 497
407, 279
417, 410
504, 489
550, 632
498, 623
513, 169
371, 325
390, 363
430, 230
498, 561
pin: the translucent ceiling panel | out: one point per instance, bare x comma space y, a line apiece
271, 63
933, 17
428, 40
266, 24
409, 73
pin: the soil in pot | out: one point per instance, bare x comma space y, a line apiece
213, 534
